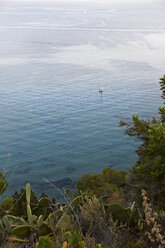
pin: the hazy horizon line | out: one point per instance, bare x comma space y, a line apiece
92, 1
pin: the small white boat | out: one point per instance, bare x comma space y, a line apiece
101, 90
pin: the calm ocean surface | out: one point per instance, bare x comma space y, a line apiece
53, 59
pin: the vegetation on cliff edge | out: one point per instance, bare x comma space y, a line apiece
113, 209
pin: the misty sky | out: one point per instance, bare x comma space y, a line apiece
98, 1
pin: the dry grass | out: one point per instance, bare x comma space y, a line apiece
154, 230
10, 244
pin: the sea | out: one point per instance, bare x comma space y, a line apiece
55, 126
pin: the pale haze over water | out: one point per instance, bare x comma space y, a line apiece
53, 59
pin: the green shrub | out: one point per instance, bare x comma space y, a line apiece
75, 240
3, 183
108, 182
45, 242
6, 205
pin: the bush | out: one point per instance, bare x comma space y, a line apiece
106, 183
45, 242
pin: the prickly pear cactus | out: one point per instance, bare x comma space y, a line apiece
29, 212
44, 229
44, 202
28, 193
54, 217
6, 223
40, 220
22, 231
13, 220
64, 222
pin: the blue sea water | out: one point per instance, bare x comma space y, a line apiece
53, 59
